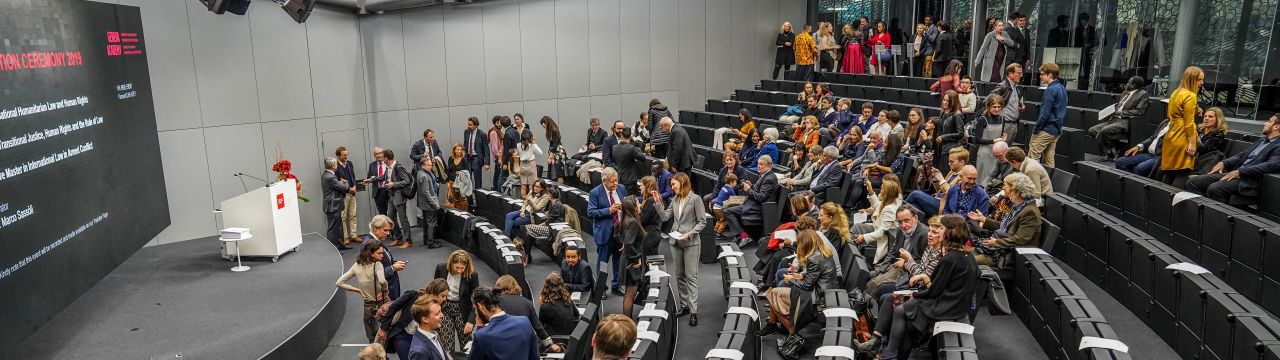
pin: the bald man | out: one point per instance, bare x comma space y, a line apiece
992, 181
968, 196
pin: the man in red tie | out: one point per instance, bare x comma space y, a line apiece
604, 207
378, 170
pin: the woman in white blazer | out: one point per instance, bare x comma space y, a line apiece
690, 217
883, 213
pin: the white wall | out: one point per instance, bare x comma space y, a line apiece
230, 89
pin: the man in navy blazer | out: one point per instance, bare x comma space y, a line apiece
379, 228
1240, 174
603, 209
829, 175
752, 210
427, 147
501, 336
475, 144
426, 343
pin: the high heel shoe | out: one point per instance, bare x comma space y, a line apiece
871, 347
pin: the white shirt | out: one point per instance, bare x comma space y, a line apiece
1155, 144
455, 286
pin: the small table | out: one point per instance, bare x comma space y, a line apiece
239, 266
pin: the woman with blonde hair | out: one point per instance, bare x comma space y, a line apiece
459, 273
834, 223
1213, 140
819, 274
883, 210
1179, 142
806, 135
456, 162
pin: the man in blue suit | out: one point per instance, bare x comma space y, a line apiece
604, 206
475, 145
501, 336
426, 344
1240, 174
379, 228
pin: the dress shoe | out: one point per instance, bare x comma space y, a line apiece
618, 292
683, 311
744, 242
344, 247
693, 319
434, 245
768, 329
406, 245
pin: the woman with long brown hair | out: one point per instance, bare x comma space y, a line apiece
556, 310
883, 210
688, 217
556, 153
459, 273
373, 288
951, 134
630, 234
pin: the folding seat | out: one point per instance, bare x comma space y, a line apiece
1094, 259
720, 106
1058, 292
1269, 196
742, 94
1188, 215
1192, 291
1077, 98
792, 86
1077, 317
781, 98
1090, 177
955, 346
1074, 229
1101, 100
685, 117
770, 85
892, 95
1256, 338
1160, 209
702, 118
1053, 207
898, 82
880, 81
873, 93
1223, 312
1134, 206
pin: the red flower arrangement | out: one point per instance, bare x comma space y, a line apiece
284, 171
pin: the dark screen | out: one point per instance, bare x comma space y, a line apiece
81, 186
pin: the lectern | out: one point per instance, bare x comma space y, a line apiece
271, 214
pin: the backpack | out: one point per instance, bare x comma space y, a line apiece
410, 189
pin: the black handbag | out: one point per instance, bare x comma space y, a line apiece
790, 347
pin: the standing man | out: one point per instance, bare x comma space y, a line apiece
429, 203
347, 171
944, 48
425, 148
629, 160
1008, 89
477, 149
334, 190
379, 229
805, 49
1053, 111
604, 205
928, 44
1017, 31
501, 336
680, 155
606, 154
378, 172
1087, 39
400, 184
426, 344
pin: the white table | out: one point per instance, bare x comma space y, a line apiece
239, 266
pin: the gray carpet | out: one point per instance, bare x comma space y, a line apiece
182, 299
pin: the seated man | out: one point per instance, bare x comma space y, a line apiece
829, 175
968, 197
1141, 158
1039, 176
577, 275
1240, 174
910, 237
751, 212
1133, 105
929, 204
995, 180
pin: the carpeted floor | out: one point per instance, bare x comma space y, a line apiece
182, 300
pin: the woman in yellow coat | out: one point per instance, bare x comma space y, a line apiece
1178, 156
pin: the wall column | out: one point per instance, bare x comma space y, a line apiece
1183, 38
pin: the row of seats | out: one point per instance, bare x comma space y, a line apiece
737, 339
656, 328
1057, 312
1226, 240
839, 332
1188, 306
1096, 100
1269, 201
487, 243
494, 205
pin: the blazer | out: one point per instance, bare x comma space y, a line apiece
346, 171
951, 293
1037, 173
680, 156
828, 176
738, 171
1023, 231
399, 178
480, 147
378, 191
393, 277
629, 161
1132, 106
1251, 170
506, 337
1021, 44
578, 278
465, 287
606, 154
915, 244
1145, 145
764, 190
422, 348
770, 149
333, 192
598, 212
1006, 89
692, 219
946, 48
428, 191
421, 149
401, 306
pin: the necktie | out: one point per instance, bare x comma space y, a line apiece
381, 169
613, 200
471, 145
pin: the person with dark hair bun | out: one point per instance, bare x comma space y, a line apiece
501, 335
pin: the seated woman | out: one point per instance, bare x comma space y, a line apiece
1020, 228
730, 167
778, 250
748, 124
806, 134
851, 145
556, 311
947, 296
750, 150
812, 271
767, 146
804, 164
540, 228
1213, 140
882, 212
533, 202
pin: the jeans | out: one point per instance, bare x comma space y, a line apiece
514, 221
499, 177
927, 204
1140, 163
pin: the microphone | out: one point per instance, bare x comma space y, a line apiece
267, 183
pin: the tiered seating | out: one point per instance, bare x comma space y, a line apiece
494, 205
1057, 312
578, 343
838, 334
487, 243
656, 327
737, 339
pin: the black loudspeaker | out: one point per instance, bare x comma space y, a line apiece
299, 10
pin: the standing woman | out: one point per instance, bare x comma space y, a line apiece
688, 218
987, 129
496, 152
785, 56
880, 61
989, 60
1179, 155
950, 79
827, 47
457, 162
853, 61
556, 154
629, 237
651, 214
372, 282
528, 151
459, 316
952, 132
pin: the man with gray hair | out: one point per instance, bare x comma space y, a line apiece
995, 180
604, 207
751, 212
334, 190
828, 177
679, 149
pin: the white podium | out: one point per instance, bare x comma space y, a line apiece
271, 213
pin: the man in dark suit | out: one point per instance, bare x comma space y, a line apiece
476, 145
379, 229
428, 189
425, 148
1141, 159
399, 184
347, 171
604, 205
1017, 31
945, 49
426, 343
377, 172
751, 212
1240, 174
680, 149
829, 175
334, 190
606, 149
1133, 105
909, 239
630, 162
501, 336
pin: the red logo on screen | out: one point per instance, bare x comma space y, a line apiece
279, 201
122, 43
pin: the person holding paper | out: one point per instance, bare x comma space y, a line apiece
604, 203
689, 217
1020, 227
1113, 122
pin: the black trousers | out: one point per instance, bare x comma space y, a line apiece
430, 218
1213, 187
777, 67
334, 230
380, 201
476, 165
735, 219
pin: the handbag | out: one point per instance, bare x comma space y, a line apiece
734, 201
790, 347
886, 56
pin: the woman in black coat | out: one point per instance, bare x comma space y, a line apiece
459, 316
556, 310
786, 55
952, 132
947, 295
